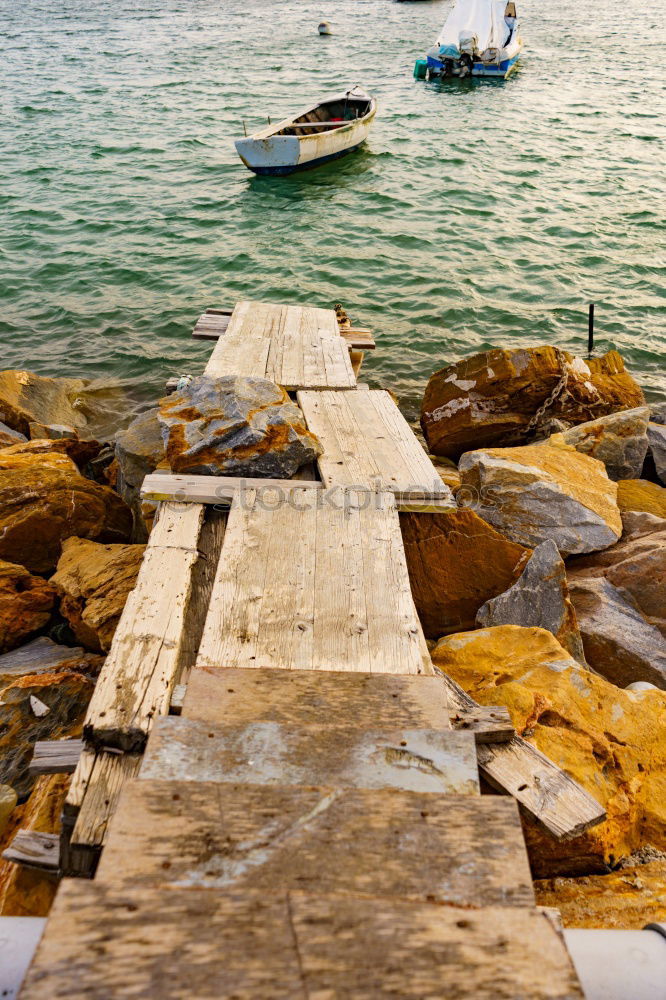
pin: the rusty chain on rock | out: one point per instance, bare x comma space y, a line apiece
560, 390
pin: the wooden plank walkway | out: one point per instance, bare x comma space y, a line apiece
296, 346
295, 830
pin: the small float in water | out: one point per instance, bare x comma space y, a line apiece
327, 130
324, 28
480, 38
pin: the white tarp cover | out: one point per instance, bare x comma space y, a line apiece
482, 18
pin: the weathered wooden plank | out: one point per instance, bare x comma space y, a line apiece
543, 790
34, 850
158, 632
55, 756
282, 946
348, 698
470, 849
312, 610
89, 806
489, 724
271, 753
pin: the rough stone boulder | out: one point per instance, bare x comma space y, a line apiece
28, 892
636, 565
139, 450
43, 500
619, 440
80, 452
26, 398
656, 434
639, 495
626, 899
540, 596
544, 491
491, 398
233, 426
609, 740
456, 562
9, 436
619, 642
93, 582
25, 604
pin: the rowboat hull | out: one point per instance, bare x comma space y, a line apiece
275, 154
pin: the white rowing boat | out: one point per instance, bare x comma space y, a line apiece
332, 128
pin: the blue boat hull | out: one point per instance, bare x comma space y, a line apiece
500, 70
292, 169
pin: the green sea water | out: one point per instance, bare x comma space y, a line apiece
479, 214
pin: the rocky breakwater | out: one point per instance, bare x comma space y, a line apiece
560, 468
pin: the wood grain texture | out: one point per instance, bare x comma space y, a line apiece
159, 629
271, 753
314, 583
347, 698
219, 945
34, 850
466, 851
366, 440
544, 790
55, 756
488, 723
295, 346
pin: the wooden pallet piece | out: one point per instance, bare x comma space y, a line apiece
213, 323
488, 723
347, 698
90, 804
159, 630
459, 850
220, 491
543, 790
366, 440
103, 942
55, 756
295, 346
341, 600
34, 850
270, 753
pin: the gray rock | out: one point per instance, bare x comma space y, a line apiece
51, 432
139, 450
539, 597
619, 643
619, 440
8, 436
658, 413
656, 435
234, 426
637, 523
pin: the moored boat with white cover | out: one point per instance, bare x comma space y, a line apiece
479, 38
325, 131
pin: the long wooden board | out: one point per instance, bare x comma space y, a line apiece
460, 850
314, 583
157, 636
366, 440
296, 346
347, 698
272, 753
543, 790
104, 942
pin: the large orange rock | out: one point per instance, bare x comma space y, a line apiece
490, 398
26, 397
25, 604
609, 740
456, 562
641, 495
43, 500
93, 582
544, 491
27, 892
80, 452
626, 899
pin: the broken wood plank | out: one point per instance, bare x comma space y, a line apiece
55, 756
270, 753
34, 850
470, 849
96, 796
542, 789
348, 698
489, 724
202, 943
341, 601
158, 633
221, 491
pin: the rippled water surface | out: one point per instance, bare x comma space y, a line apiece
479, 213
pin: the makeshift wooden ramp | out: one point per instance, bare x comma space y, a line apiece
309, 822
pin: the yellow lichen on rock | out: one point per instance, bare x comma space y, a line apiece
641, 495
608, 739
